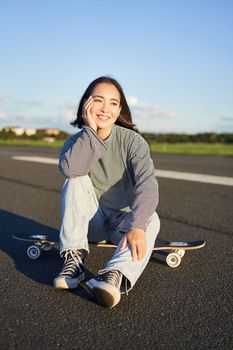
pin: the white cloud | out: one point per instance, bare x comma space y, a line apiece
68, 116
37, 114
13, 104
147, 116
3, 116
227, 119
1, 100
65, 114
224, 124
28, 120
149, 109
132, 101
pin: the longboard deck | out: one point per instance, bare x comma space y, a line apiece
159, 245
36, 238
166, 245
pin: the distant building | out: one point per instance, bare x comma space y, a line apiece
18, 131
30, 131
51, 131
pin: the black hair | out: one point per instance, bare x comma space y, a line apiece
124, 119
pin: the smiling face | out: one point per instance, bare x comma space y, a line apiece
106, 106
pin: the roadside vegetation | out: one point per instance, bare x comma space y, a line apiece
193, 148
201, 144
31, 143
41, 138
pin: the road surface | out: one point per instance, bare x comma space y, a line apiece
189, 307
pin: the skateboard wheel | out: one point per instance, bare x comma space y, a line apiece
46, 247
173, 259
33, 252
181, 252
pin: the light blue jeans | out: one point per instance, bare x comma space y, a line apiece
83, 221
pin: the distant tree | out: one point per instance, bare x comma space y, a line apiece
7, 134
62, 136
210, 137
149, 138
207, 137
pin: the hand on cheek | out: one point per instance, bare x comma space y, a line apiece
87, 117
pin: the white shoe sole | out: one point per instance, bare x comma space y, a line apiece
68, 283
105, 294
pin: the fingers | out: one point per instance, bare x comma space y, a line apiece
137, 242
124, 244
132, 248
141, 252
88, 101
134, 252
137, 251
87, 117
87, 106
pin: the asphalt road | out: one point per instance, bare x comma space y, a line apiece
189, 307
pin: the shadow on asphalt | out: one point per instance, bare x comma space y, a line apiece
42, 270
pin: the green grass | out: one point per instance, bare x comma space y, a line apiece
31, 143
193, 148
175, 148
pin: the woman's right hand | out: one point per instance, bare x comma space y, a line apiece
87, 117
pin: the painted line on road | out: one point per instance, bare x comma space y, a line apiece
168, 174
44, 160
210, 179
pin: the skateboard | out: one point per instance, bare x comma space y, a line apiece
45, 243
177, 249
41, 243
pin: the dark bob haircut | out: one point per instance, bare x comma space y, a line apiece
124, 118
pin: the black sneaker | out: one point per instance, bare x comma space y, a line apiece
72, 272
106, 288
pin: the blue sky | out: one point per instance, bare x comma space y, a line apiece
173, 59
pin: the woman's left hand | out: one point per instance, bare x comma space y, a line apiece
136, 238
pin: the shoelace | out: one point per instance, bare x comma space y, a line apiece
72, 262
112, 277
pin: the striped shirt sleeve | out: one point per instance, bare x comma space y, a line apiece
80, 152
146, 196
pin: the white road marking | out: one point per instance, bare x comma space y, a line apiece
168, 174
210, 179
45, 160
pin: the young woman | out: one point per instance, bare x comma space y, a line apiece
110, 194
